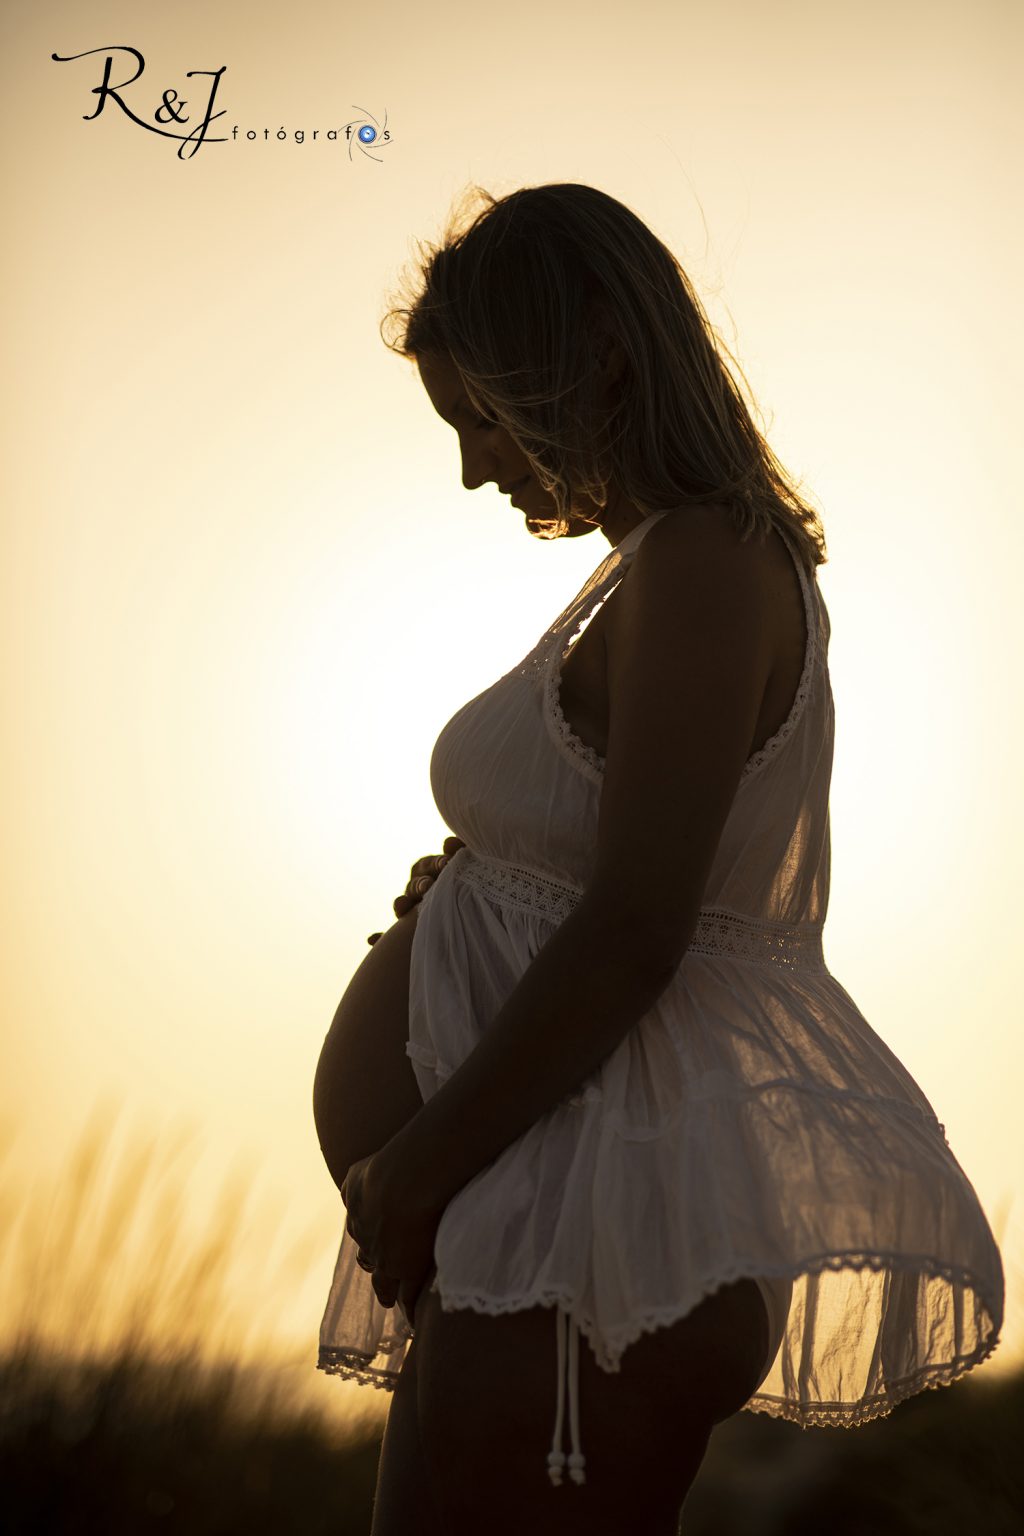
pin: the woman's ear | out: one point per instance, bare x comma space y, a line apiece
611, 362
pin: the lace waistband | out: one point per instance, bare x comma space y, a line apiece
718, 931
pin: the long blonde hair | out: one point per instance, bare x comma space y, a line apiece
520, 296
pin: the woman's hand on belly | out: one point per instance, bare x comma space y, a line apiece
393, 1217
421, 877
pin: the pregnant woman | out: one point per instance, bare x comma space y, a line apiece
600, 1081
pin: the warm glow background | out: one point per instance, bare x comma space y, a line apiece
243, 588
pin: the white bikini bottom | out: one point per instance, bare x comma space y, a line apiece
778, 1296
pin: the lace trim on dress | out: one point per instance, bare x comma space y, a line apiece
608, 1349
789, 725
718, 932
588, 759
608, 1352
353, 1365
553, 649
513, 885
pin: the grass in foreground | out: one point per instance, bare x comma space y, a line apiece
126, 1448
133, 1401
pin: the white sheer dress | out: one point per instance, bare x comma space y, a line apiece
751, 1124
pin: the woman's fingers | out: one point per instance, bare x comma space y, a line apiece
422, 875
430, 866
385, 1290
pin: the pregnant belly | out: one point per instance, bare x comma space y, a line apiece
365, 1089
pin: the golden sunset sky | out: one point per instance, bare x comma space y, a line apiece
243, 587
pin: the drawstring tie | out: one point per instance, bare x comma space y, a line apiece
556, 1456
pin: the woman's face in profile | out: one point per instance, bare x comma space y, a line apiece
488, 452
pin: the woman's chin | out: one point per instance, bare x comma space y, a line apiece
578, 526
548, 527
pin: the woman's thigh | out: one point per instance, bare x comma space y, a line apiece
404, 1503
487, 1394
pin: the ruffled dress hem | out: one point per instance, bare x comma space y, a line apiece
608, 1350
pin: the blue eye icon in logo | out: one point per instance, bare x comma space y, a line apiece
364, 131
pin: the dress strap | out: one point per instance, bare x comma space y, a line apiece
808, 588
607, 573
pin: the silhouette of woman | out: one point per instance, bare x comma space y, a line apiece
644, 1109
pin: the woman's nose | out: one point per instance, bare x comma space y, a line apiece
477, 469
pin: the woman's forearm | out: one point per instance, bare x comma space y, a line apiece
588, 986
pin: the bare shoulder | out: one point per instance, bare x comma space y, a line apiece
697, 555
707, 529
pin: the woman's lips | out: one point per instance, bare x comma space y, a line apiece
514, 491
